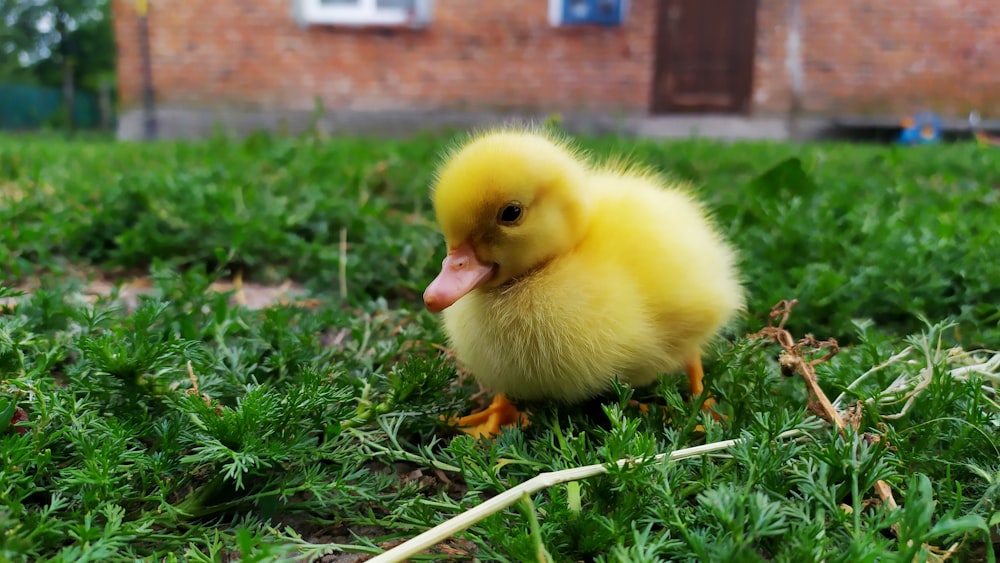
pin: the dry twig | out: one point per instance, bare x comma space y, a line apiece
795, 356
239, 296
194, 387
342, 270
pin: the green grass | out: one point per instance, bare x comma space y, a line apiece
316, 429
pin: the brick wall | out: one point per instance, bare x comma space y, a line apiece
884, 57
858, 56
493, 55
771, 82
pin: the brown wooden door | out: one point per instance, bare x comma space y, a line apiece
704, 56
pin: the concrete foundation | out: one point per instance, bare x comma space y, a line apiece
182, 123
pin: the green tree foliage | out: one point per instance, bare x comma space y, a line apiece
68, 44
92, 47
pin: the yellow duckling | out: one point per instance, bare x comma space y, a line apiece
562, 275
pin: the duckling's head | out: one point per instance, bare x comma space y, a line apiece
507, 202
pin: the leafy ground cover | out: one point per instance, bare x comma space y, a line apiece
188, 422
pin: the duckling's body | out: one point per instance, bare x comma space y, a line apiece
621, 275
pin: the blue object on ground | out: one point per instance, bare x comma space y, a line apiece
921, 129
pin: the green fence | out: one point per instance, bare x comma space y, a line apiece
33, 107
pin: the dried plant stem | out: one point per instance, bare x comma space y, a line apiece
809, 375
990, 370
794, 358
342, 271
507, 498
240, 295
884, 492
193, 378
837, 403
908, 386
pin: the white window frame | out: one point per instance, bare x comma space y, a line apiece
366, 12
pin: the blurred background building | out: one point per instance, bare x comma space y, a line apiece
775, 66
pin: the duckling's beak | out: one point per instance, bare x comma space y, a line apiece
461, 272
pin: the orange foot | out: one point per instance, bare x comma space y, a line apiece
696, 373
644, 408
488, 421
647, 410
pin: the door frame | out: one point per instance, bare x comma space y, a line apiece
745, 62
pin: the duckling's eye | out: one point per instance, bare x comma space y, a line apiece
509, 214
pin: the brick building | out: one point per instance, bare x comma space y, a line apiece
743, 57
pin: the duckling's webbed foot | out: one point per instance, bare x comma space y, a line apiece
490, 420
696, 373
650, 409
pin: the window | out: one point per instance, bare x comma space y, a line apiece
587, 12
363, 12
